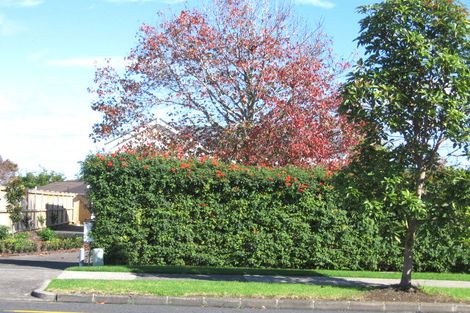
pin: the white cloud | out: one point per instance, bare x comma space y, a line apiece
47, 131
318, 3
20, 3
8, 27
89, 62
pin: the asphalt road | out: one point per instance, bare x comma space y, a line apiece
45, 307
19, 275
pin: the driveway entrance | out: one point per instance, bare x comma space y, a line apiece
19, 275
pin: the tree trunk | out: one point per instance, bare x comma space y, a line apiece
405, 282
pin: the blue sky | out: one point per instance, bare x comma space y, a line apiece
49, 49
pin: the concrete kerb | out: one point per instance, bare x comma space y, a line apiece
41, 292
282, 304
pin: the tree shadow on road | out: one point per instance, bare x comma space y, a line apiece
34, 261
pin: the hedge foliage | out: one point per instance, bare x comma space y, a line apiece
202, 212
159, 210
374, 194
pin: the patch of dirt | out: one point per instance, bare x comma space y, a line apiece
393, 294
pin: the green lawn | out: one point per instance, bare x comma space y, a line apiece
251, 271
185, 288
456, 293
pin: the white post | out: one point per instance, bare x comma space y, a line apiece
81, 257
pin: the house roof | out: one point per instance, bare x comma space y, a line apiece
71, 186
152, 132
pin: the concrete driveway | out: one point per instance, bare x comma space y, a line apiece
19, 275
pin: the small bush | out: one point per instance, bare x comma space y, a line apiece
117, 255
4, 232
17, 245
46, 234
21, 236
61, 244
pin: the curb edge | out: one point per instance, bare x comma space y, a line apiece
41, 292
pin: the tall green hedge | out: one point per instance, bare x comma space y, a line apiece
158, 210
370, 193
168, 211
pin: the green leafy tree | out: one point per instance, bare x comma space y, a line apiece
15, 193
411, 93
31, 180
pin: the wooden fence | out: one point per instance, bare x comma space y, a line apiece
43, 208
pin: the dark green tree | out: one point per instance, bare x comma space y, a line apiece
411, 92
15, 194
31, 180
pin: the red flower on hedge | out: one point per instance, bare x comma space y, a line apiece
302, 187
287, 181
220, 174
203, 159
146, 167
100, 156
185, 165
234, 167
110, 164
173, 170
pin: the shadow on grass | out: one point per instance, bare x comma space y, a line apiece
267, 275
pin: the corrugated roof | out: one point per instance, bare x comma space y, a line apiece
72, 186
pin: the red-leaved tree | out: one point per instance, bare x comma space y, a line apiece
240, 82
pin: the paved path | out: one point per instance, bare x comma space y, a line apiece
321, 280
19, 275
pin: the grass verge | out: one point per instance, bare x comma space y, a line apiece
186, 288
267, 271
462, 294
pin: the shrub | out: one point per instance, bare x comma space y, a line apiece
21, 236
41, 220
17, 245
46, 234
159, 210
61, 244
4, 232
442, 241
